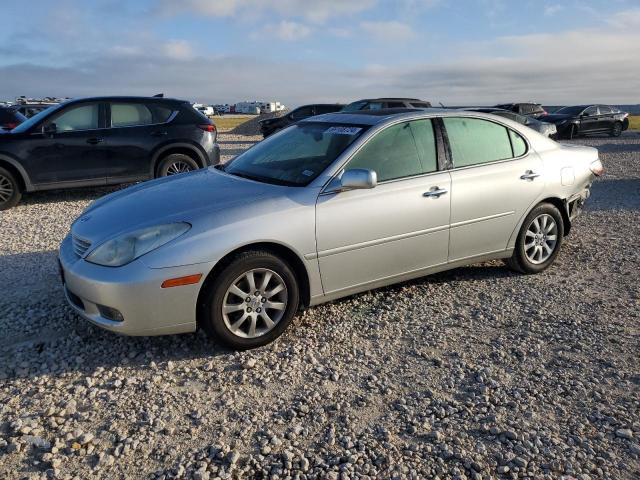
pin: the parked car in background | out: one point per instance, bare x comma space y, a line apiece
528, 109
271, 125
206, 110
334, 205
382, 103
104, 140
10, 117
31, 109
546, 129
588, 119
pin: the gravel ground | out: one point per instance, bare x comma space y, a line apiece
474, 373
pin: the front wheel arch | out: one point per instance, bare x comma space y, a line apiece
276, 249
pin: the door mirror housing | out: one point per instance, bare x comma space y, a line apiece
49, 129
358, 178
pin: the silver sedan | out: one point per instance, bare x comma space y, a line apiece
329, 207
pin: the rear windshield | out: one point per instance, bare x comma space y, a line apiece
297, 155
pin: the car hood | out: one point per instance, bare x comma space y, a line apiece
181, 198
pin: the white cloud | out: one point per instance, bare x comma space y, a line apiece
178, 50
388, 31
288, 31
550, 10
316, 11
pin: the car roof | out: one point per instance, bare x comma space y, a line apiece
374, 117
124, 98
486, 109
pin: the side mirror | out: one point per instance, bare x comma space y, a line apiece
358, 178
49, 129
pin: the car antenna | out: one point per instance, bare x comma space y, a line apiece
442, 105
159, 95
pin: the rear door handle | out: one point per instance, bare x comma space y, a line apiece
95, 141
529, 175
158, 134
435, 192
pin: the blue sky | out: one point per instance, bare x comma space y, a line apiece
297, 51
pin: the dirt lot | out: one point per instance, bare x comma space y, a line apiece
471, 374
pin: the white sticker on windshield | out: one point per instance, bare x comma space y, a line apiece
343, 130
307, 173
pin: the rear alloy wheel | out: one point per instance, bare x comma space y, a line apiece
9, 190
616, 130
175, 164
539, 240
251, 301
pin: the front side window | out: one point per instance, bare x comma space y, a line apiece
474, 141
83, 117
605, 110
296, 156
394, 152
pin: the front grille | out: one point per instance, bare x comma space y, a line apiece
80, 246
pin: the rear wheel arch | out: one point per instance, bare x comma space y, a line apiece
181, 148
562, 206
279, 250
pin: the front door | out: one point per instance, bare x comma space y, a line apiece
75, 152
494, 182
589, 120
398, 227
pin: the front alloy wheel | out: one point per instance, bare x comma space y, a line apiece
249, 300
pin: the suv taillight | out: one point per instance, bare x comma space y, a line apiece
10, 126
208, 127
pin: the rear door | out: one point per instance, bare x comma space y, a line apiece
136, 129
606, 118
75, 153
494, 182
589, 120
398, 227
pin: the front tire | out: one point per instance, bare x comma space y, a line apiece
616, 130
176, 163
251, 301
539, 240
10, 193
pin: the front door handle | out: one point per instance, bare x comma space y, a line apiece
95, 141
435, 192
529, 175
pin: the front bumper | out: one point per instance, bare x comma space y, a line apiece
132, 290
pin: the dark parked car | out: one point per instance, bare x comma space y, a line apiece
528, 109
382, 103
104, 141
587, 119
10, 118
272, 125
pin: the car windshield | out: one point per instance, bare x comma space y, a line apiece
297, 155
571, 110
25, 126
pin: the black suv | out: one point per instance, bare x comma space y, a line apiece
104, 141
272, 125
10, 118
527, 109
382, 103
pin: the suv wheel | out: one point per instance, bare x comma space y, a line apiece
616, 130
251, 301
176, 163
539, 240
9, 190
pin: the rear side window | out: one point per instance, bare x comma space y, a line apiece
474, 141
391, 153
420, 104
395, 105
130, 115
83, 117
605, 110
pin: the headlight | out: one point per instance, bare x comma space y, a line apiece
129, 246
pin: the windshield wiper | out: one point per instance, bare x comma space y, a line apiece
257, 178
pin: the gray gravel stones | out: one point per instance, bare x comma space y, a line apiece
476, 373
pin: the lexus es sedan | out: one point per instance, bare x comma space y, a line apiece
104, 141
588, 119
329, 207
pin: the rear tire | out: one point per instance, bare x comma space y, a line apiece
10, 192
539, 240
244, 313
616, 130
176, 163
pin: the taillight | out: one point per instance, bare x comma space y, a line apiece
208, 127
10, 126
597, 168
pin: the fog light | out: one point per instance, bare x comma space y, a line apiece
110, 313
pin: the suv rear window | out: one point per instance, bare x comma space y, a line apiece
138, 114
